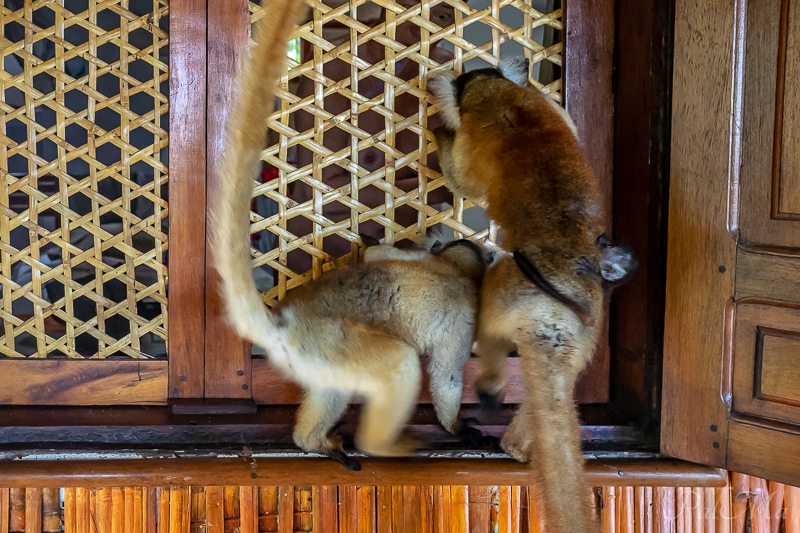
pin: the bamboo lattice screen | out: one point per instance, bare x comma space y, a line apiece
83, 206
352, 148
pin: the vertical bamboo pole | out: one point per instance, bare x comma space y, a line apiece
5, 510
759, 506
504, 510
697, 504
268, 508
664, 510
117, 510
627, 510
51, 511
776, 492
398, 511
324, 509
441, 509
365, 503
459, 503
426, 511
197, 522
163, 509
17, 510
215, 512
709, 512
231, 509
70, 510
347, 509
791, 500
412, 507
93, 496
609, 510
286, 509
479, 508
724, 512
150, 509
536, 519
741, 493
33, 510
248, 510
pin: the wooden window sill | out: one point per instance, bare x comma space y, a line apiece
276, 470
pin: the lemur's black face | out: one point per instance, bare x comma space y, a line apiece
461, 82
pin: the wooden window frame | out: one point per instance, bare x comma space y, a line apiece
212, 380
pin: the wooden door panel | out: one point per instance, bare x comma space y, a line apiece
732, 344
700, 249
766, 362
770, 171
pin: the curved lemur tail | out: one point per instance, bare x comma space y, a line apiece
238, 167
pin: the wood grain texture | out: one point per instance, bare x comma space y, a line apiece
480, 501
318, 471
768, 210
608, 514
699, 245
588, 66
16, 520
227, 371
643, 36
772, 453
248, 509
664, 516
766, 378
70, 511
5, 508
459, 509
285, 509
187, 193
786, 178
163, 510
325, 513
792, 502
33, 510
89, 382
51, 511
150, 509
763, 276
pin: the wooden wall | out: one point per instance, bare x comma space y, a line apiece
745, 504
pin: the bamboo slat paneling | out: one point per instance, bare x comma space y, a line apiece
83, 103
746, 504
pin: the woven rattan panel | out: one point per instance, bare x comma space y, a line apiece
351, 144
83, 207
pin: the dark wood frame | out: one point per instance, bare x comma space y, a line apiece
626, 113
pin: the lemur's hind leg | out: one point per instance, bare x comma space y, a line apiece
493, 351
314, 431
389, 401
494, 333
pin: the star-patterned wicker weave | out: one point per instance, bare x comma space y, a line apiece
355, 31
83, 207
